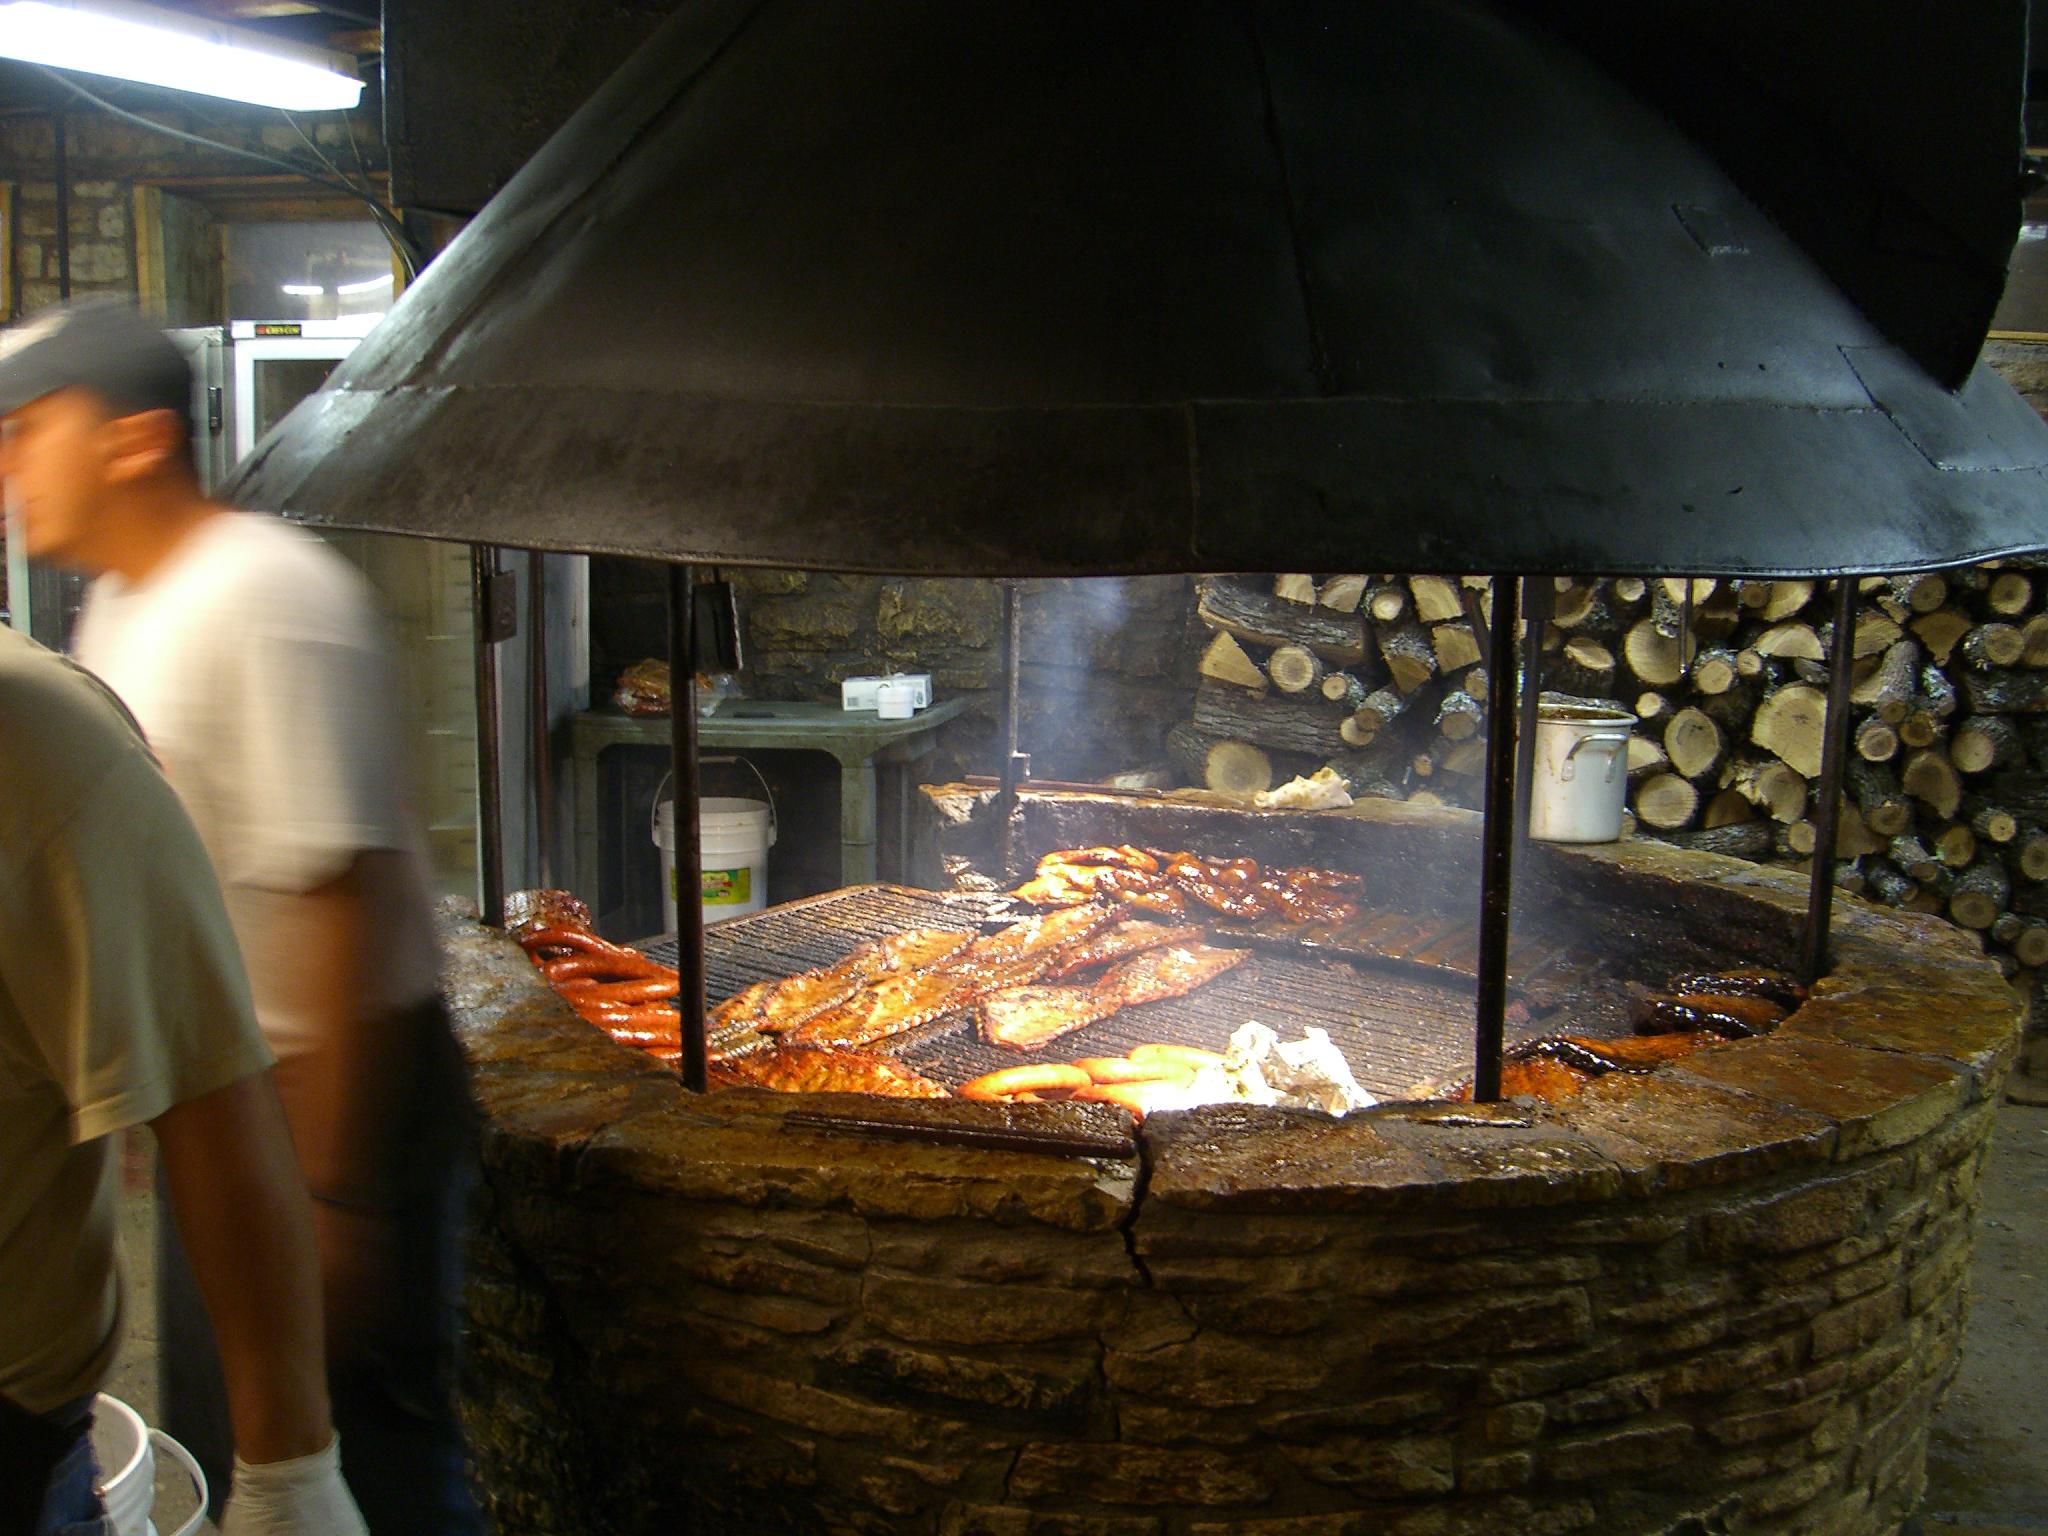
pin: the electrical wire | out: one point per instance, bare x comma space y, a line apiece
394, 232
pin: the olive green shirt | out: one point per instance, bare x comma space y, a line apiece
121, 995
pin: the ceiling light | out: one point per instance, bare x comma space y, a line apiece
367, 285
131, 41
302, 290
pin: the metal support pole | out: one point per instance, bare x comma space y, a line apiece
1497, 855
60, 167
537, 736
490, 825
1834, 756
682, 747
1014, 764
1539, 601
1685, 645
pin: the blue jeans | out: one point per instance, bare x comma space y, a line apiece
72, 1505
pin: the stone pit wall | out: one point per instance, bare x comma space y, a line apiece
1723, 1299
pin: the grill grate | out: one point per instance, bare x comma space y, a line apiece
1398, 1021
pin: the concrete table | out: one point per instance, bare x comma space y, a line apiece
860, 741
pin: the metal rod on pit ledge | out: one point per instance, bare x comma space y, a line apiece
1834, 754
1006, 798
1497, 852
689, 881
1539, 601
537, 712
490, 822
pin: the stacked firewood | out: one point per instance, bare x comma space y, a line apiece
1946, 794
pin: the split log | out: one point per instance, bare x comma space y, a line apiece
1654, 708
1991, 823
1456, 647
2030, 858
1985, 742
1667, 602
1931, 778
1886, 809
1789, 723
1876, 742
2030, 944
1436, 599
1343, 593
1628, 593
1584, 667
1888, 690
1345, 689
1653, 656
1575, 604
1994, 645
1874, 634
1666, 802
1694, 744
1955, 846
1981, 893
1465, 758
1381, 708
2006, 693
1295, 669
1225, 661
1459, 717
1786, 598
1714, 672
1409, 656
1714, 620
1915, 859
1282, 724
1295, 588
1725, 809
1750, 840
1266, 620
1385, 602
1853, 839
1920, 594
1941, 631
1645, 759
1774, 788
2010, 594
1734, 710
1789, 642
1379, 772
1937, 693
1887, 883
1234, 768
2035, 633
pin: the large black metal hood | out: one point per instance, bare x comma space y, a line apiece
985, 287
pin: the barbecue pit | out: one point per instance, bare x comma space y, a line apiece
1729, 1289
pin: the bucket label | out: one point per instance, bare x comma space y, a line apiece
728, 887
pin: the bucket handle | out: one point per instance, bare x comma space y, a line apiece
1612, 742
773, 819
166, 1446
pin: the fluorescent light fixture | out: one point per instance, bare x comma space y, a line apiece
367, 285
302, 290
130, 41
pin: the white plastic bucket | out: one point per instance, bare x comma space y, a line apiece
126, 1449
1581, 777
734, 837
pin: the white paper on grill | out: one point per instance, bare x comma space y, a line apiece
1260, 1068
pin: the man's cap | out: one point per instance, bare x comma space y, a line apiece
103, 345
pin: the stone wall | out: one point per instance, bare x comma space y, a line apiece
1109, 663
1723, 1299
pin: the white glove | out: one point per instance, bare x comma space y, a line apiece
302, 1497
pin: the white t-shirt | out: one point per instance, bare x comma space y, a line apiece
255, 661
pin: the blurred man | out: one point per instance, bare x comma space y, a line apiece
253, 659
122, 1002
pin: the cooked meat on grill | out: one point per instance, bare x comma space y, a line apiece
1027, 1018
1038, 1079
1046, 934
887, 1007
799, 1069
1118, 943
1737, 1018
1539, 1077
543, 908
776, 1007
1640, 1053
1743, 981
1164, 883
1140, 1098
